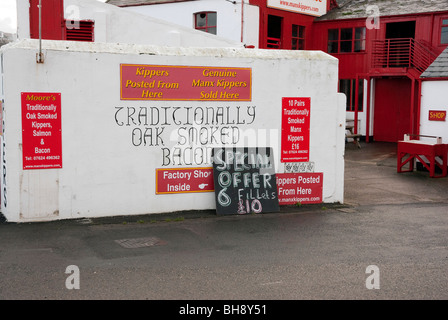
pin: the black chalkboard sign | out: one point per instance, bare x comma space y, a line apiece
244, 180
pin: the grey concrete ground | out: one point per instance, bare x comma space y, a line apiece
395, 222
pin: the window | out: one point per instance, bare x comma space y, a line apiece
333, 41
444, 32
348, 87
205, 21
360, 39
346, 40
346, 44
275, 32
298, 37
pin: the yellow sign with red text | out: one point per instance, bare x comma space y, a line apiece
155, 82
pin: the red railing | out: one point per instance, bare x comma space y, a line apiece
273, 43
402, 53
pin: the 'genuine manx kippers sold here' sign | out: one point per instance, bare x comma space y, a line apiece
155, 82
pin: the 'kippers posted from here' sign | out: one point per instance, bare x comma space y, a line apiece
155, 82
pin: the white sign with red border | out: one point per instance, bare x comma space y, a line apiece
300, 188
310, 7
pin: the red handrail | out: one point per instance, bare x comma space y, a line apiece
273, 43
402, 52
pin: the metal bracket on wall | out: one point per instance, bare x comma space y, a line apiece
40, 55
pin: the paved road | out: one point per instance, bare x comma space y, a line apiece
395, 222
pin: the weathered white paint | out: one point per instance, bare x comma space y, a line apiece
232, 17
434, 97
117, 25
103, 174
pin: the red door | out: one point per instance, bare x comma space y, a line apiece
52, 19
392, 110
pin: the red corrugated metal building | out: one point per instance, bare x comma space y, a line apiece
383, 47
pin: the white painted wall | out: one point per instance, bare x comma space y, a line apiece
229, 18
103, 174
434, 97
117, 25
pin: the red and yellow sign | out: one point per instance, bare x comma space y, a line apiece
437, 115
154, 82
184, 180
41, 130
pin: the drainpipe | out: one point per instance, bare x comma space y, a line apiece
369, 83
40, 57
242, 20
356, 103
419, 105
412, 106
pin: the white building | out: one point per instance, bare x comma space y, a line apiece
233, 20
434, 99
125, 125
110, 24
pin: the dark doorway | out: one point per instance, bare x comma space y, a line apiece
400, 30
274, 32
399, 37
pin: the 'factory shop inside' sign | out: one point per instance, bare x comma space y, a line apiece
184, 180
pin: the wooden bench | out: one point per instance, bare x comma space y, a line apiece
352, 135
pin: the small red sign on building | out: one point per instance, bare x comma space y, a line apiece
300, 188
437, 115
295, 130
41, 130
184, 180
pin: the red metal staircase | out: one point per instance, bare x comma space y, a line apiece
405, 53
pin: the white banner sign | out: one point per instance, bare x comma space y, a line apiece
310, 7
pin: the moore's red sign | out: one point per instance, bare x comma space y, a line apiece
41, 130
184, 180
300, 188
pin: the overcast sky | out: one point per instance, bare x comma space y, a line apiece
8, 15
